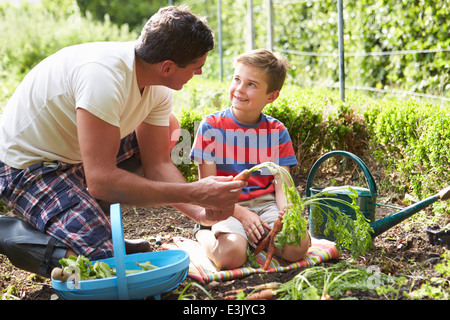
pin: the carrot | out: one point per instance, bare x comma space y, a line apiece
232, 294
242, 176
325, 297
259, 292
277, 226
266, 294
263, 244
269, 243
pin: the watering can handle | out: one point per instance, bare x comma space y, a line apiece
359, 162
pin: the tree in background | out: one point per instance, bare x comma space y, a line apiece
132, 12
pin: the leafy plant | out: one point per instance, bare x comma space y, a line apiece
392, 291
327, 283
354, 235
191, 296
79, 265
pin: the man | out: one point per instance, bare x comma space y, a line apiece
86, 108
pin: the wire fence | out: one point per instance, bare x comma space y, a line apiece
341, 52
270, 8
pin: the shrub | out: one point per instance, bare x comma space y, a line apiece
295, 108
319, 122
413, 139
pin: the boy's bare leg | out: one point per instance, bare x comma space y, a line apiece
295, 253
227, 251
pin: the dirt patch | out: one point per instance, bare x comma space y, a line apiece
403, 250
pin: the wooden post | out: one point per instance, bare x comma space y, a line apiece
251, 33
341, 50
269, 25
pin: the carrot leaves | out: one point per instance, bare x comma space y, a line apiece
351, 234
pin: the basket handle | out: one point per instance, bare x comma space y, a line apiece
119, 250
359, 162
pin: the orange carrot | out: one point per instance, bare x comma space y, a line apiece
325, 297
260, 292
269, 257
242, 176
264, 243
277, 226
265, 294
232, 294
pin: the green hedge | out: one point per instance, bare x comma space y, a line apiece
414, 140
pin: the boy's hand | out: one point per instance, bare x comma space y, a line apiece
252, 223
281, 213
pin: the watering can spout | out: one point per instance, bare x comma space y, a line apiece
388, 222
444, 194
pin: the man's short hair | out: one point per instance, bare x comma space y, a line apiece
174, 33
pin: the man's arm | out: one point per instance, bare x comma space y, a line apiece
99, 144
154, 146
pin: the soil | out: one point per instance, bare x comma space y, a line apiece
403, 250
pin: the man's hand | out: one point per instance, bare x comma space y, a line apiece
215, 199
217, 192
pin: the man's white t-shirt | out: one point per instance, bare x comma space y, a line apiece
39, 121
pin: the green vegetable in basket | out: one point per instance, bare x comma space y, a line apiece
102, 270
146, 266
81, 266
84, 270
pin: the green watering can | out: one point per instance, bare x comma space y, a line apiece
366, 200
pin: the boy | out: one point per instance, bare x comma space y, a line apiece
239, 138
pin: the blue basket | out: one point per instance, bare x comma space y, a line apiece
173, 266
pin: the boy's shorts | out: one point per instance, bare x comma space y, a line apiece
265, 206
53, 197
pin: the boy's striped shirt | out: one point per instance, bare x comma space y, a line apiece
234, 146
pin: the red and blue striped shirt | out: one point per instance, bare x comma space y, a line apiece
234, 146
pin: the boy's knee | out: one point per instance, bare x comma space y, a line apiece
232, 255
233, 258
296, 253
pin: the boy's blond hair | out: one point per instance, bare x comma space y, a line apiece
273, 66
